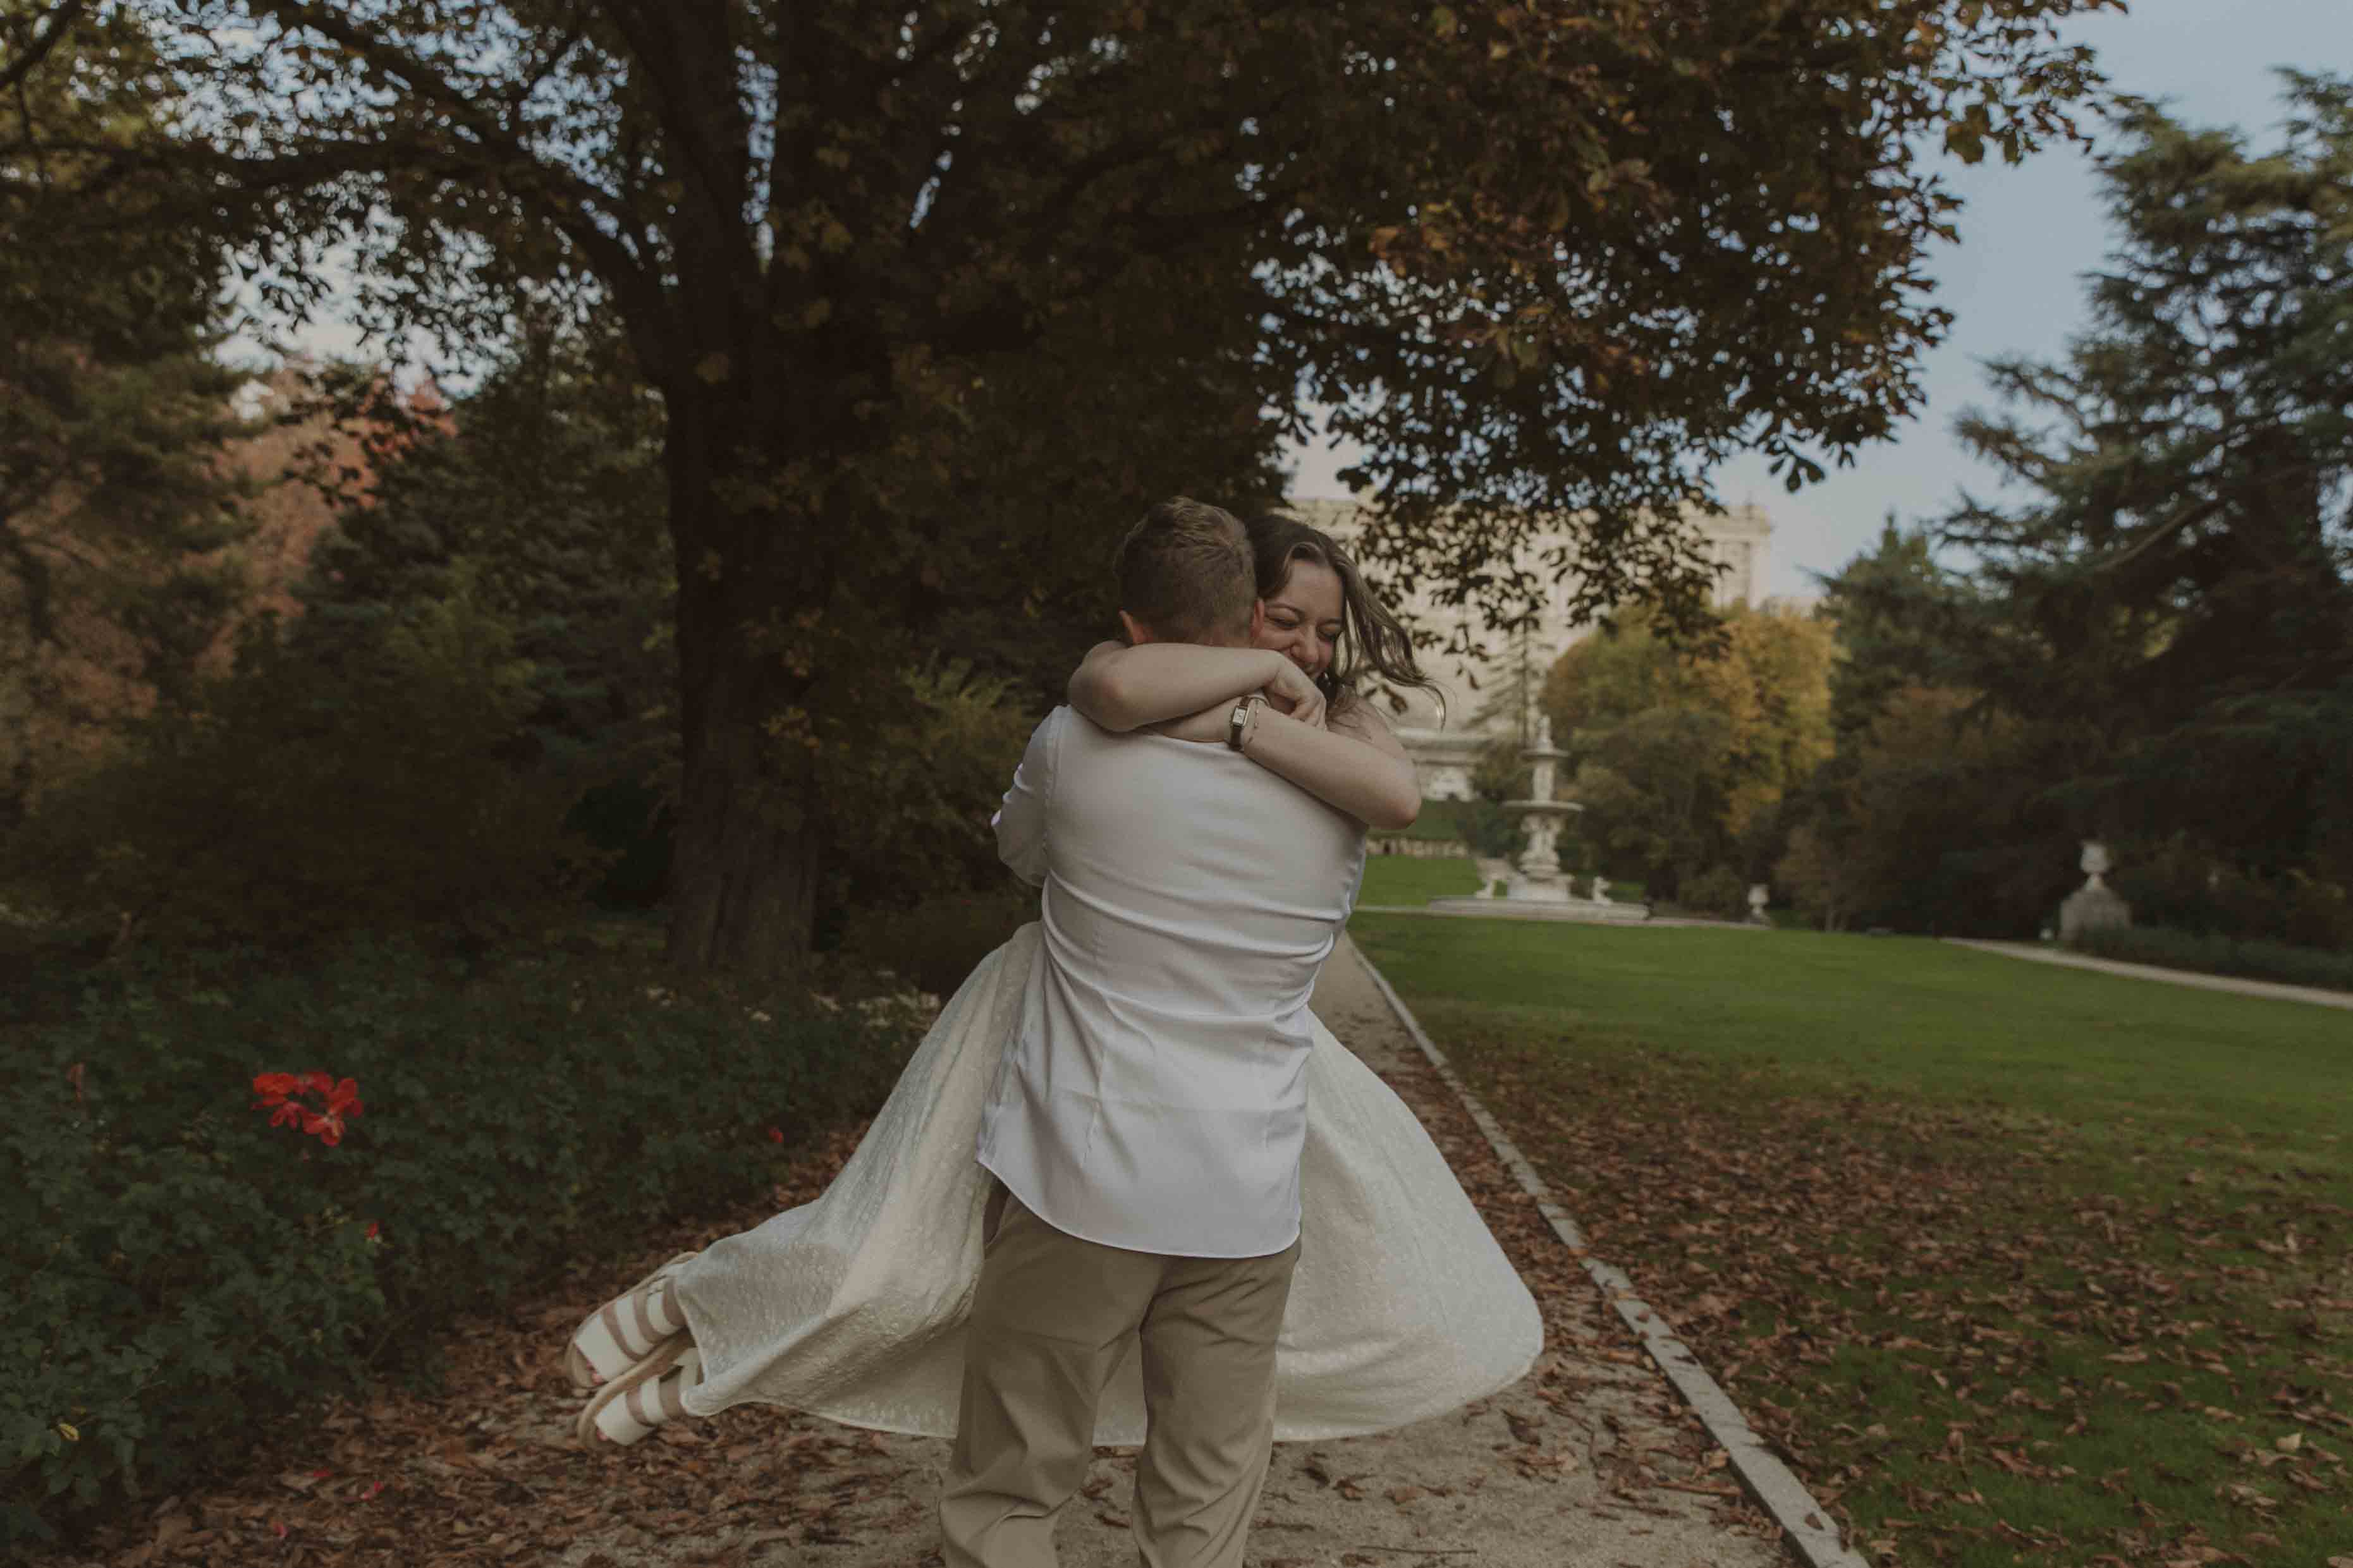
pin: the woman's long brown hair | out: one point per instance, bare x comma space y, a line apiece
1372, 639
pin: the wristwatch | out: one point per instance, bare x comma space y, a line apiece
1237, 723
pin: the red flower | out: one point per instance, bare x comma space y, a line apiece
775, 1135
281, 1094
372, 1230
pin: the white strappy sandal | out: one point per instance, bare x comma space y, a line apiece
625, 1330
643, 1397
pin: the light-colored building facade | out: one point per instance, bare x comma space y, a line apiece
1442, 732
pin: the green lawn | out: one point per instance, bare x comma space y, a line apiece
2016, 1263
1408, 879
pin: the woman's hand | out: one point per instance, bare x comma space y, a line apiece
1291, 693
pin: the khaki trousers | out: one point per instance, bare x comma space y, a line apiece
1051, 1319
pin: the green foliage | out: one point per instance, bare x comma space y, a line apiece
185, 1273
2178, 586
115, 501
1902, 620
1821, 884
1173, 223
1487, 828
2156, 645
545, 482
1936, 819
2188, 883
915, 798
1683, 754
1480, 824
2245, 958
935, 943
298, 802
1719, 891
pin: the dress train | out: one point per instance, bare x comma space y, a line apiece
852, 1306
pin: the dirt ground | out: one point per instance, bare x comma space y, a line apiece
1592, 1459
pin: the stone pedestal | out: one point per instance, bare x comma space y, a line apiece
2095, 906
2092, 909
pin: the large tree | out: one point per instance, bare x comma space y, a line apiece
1547, 258
2172, 598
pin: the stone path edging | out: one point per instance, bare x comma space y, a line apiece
1768, 1479
2272, 988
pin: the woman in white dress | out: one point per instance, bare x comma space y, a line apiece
852, 1307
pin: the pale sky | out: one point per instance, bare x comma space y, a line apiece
2013, 281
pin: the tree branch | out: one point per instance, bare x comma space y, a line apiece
490, 133
61, 19
693, 76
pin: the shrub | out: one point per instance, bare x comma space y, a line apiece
925, 774
934, 945
182, 1270
1719, 892
298, 800
2248, 959
2186, 887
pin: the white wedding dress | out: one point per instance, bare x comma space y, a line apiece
853, 1307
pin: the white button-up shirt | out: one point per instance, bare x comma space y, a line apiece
1155, 1097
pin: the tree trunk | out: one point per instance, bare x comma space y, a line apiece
747, 854
745, 866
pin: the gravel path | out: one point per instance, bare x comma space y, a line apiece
2271, 988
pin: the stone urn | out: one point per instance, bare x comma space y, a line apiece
2095, 906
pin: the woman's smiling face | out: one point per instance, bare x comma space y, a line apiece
1300, 620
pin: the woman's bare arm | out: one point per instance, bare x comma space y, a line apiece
1357, 766
1123, 688
1354, 764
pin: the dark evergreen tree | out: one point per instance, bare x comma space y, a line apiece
114, 414
545, 483
2177, 607
1902, 620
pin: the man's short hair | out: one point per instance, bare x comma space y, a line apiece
1185, 572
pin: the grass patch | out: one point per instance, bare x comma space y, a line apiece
2016, 1264
1408, 879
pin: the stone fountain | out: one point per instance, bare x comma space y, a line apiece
1541, 818
1536, 888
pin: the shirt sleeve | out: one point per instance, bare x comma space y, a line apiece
1020, 822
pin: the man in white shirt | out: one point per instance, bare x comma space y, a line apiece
1146, 1125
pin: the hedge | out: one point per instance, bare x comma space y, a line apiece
2245, 958
187, 1259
